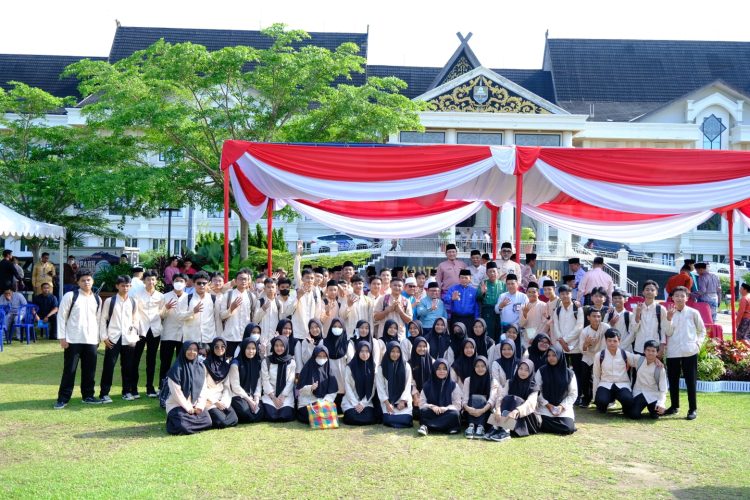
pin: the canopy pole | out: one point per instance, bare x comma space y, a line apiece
519, 204
269, 235
226, 224
61, 277
730, 223
493, 229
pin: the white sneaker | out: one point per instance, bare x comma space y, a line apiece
422, 431
128, 397
469, 432
106, 400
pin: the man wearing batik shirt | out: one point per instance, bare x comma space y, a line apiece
488, 293
447, 271
463, 300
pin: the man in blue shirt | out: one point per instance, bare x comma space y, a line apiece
463, 300
430, 308
14, 300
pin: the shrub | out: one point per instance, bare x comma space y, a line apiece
710, 365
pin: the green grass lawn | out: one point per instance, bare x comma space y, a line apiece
123, 450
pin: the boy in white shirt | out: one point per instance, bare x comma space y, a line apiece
650, 389
150, 302
590, 341
611, 377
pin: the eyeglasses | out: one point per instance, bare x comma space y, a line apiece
201, 283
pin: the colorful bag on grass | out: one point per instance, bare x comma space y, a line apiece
322, 415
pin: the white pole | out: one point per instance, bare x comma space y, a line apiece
62, 266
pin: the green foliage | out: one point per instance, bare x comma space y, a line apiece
107, 276
258, 239
359, 259
710, 365
725, 286
527, 234
746, 278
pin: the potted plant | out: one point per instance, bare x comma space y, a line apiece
528, 237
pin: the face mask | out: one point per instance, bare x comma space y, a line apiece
201, 358
284, 292
259, 287
503, 337
255, 337
179, 285
337, 331
321, 362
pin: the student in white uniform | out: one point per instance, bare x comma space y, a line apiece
78, 333
650, 389
218, 388
269, 309
358, 405
303, 351
391, 334
591, 342
316, 382
245, 383
187, 386
309, 304
514, 414
457, 337
625, 324
337, 343
421, 370
504, 367
558, 390
440, 402
364, 334
611, 377
119, 325
235, 310
479, 397
356, 306
150, 302
393, 380
463, 366
202, 315
277, 376
173, 314
651, 320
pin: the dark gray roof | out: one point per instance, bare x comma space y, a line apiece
641, 71
419, 79
40, 71
601, 111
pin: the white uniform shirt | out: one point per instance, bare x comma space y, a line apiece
201, 327
234, 322
79, 324
149, 305
124, 317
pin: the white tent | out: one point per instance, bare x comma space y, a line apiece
15, 225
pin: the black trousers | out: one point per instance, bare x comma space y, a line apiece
605, 396
181, 422
450, 421
558, 425
689, 368
151, 344
111, 356
244, 413
639, 403
492, 319
583, 376
167, 352
273, 414
221, 419
477, 402
366, 417
86, 354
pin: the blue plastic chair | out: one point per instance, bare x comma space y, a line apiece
43, 329
25, 321
4, 332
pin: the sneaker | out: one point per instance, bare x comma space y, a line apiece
152, 393
500, 436
692, 415
479, 434
106, 400
492, 432
126, 397
469, 434
422, 431
136, 395
91, 400
585, 403
60, 405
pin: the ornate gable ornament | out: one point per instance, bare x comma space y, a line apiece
483, 95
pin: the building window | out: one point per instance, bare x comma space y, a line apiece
712, 129
481, 138
697, 257
422, 137
217, 214
24, 247
712, 224
158, 244
131, 242
176, 213
180, 247
110, 242
551, 140
667, 259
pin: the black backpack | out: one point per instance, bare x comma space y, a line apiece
75, 297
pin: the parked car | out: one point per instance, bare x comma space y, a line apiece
611, 247
322, 244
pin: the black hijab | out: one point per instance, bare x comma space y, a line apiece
518, 345
312, 372
464, 365
189, 375
421, 366
316, 340
439, 343
282, 360
520, 387
291, 340
508, 365
457, 341
357, 338
420, 332
387, 338
538, 357
217, 366
480, 385
555, 379
363, 372
249, 368
394, 372
484, 342
337, 346
249, 330
439, 392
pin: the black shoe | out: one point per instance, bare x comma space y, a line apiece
60, 405
692, 415
585, 403
672, 411
91, 400
577, 402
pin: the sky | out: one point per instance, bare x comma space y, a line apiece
413, 33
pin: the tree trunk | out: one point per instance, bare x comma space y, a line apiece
35, 245
244, 228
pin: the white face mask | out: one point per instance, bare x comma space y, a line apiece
255, 337
337, 331
201, 358
259, 287
320, 361
178, 285
502, 337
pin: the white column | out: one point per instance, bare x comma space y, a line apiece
506, 224
564, 242
542, 238
450, 136
508, 137
622, 257
567, 139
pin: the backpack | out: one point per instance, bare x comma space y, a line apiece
262, 301
657, 373
575, 311
190, 297
75, 297
112, 301
624, 358
627, 318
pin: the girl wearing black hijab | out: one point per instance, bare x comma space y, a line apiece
285, 328
440, 402
457, 337
479, 334
316, 381
515, 413
337, 343
244, 381
505, 366
358, 404
439, 338
390, 334
277, 377
463, 366
538, 350
252, 331
421, 369
393, 380
558, 391
479, 397
218, 391
363, 333
306, 346
413, 330
186, 379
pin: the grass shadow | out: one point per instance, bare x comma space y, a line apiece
144, 414
702, 492
149, 431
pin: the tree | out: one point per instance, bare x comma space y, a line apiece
186, 101
69, 175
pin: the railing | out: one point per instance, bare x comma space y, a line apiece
438, 245
632, 286
582, 250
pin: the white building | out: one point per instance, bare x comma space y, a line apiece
588, 93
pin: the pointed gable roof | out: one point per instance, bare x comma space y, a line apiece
462, 61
